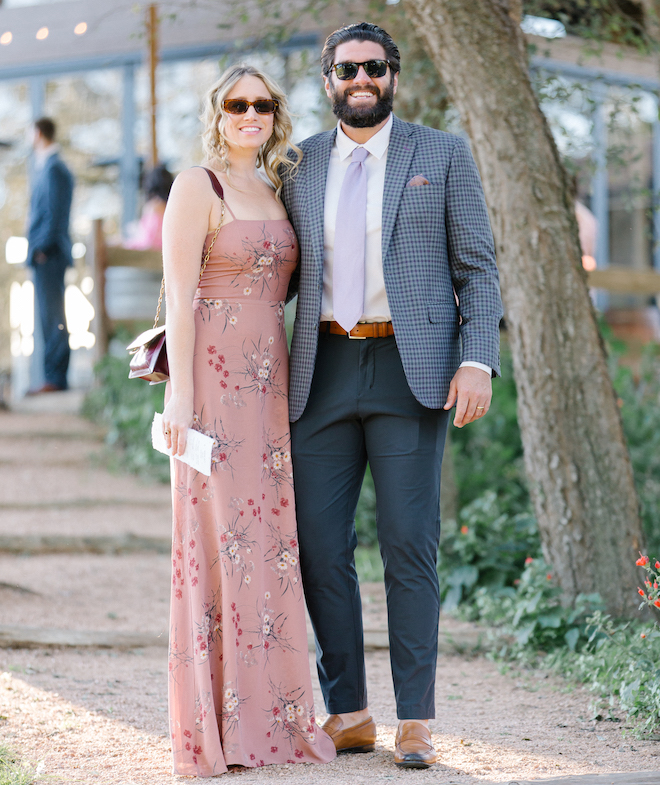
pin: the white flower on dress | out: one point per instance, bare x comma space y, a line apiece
247, 290
267, 595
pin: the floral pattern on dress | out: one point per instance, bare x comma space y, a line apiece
277, 469
292, 716
226, 309
261, 262
261, 369
224, 446
283, 559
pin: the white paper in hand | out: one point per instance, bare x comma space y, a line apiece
198, 446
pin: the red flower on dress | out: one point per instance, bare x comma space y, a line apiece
210, 349
187, 734
273, 749
250, 502
275, 511
284, 502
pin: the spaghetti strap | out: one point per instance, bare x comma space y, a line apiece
215, 184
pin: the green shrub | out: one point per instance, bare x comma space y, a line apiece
639, 400
126, 407
620, 663
530, 617
486, 547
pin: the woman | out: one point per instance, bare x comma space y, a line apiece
147, 233
240, 688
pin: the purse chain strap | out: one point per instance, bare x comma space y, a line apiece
204, 263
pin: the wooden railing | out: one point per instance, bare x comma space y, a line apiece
625, 280
101, 256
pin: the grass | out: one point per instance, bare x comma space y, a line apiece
13, 771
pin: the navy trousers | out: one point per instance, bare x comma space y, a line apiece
360, 410
49, 296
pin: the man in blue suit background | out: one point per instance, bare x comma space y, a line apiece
425, 330
49, 250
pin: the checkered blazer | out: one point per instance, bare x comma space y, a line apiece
436, 240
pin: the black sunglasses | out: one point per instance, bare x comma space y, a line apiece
240, 106
372, 68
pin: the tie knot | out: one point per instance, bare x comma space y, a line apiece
359, 155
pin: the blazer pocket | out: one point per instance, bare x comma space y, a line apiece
445, 311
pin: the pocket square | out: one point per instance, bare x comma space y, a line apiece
418, 179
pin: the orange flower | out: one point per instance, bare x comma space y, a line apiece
643, 635
549, 576
642, 561
465, 529
657, 565
657, 603
528, 560
639, 591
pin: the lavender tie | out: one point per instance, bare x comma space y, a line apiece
350, 241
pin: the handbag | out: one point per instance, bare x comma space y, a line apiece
149, 350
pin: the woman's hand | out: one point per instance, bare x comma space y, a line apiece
177, 418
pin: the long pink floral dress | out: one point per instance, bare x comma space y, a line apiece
239, 682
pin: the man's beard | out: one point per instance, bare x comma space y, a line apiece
363, 117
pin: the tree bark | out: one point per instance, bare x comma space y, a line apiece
576, 459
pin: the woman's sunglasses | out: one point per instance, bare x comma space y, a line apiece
240, 106
372, 68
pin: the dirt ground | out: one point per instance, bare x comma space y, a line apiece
89, 715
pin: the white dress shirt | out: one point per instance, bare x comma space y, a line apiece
376, 306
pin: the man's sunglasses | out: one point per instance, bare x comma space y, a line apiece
240, 106
372, 68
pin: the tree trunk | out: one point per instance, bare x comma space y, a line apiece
577, 462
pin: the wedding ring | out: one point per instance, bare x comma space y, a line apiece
481, 407
166, 432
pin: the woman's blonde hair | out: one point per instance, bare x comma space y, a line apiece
273, 153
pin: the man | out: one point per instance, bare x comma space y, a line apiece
49, 251
391, 222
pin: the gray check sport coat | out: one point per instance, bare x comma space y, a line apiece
436, 240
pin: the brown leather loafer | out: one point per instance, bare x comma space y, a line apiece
357, 738
414, 748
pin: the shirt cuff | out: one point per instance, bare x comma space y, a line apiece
472, 364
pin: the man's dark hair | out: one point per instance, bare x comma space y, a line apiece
47, 128
362, 31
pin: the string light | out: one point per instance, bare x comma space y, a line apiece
80, 29
42, 33
6, 38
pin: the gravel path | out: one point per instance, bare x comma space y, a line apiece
99, 715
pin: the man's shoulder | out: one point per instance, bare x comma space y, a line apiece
57, 166
315, 141
425, 134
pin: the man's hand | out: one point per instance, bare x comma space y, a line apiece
472, 391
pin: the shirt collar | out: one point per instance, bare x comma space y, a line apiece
376, 146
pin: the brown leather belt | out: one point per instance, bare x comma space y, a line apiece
367, 330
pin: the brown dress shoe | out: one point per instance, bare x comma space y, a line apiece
357, 738
414, 748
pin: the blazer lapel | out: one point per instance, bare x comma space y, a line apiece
399, 157
318, 160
